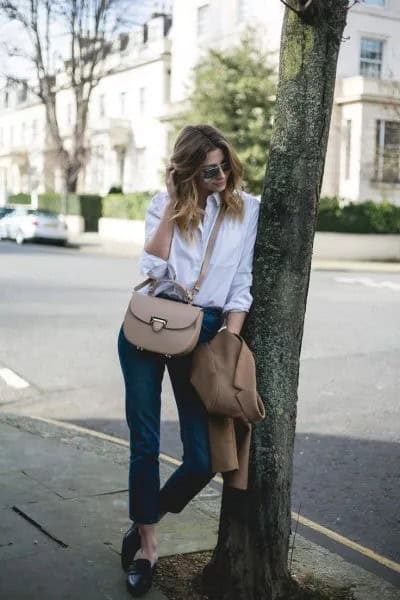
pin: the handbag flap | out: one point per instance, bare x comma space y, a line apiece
177, 314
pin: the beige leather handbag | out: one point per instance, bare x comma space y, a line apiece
165, 326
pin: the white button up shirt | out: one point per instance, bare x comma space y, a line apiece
229, 276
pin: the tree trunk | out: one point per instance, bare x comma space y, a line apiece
250, 561
72, 182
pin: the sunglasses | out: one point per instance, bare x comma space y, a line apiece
212, 172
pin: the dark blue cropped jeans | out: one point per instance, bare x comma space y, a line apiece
143, 372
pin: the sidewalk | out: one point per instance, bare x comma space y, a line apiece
92, 243
64, 508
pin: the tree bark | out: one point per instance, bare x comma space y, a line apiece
250, 561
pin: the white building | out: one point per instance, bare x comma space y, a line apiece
130, 111
126, 136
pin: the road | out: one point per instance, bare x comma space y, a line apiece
60, 311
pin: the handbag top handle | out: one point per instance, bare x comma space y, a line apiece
206, 261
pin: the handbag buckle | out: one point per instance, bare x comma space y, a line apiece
158, 323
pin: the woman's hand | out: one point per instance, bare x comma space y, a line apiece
170, 183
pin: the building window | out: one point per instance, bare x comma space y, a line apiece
11, 135
374, 2
123, 41
22, 93
347, 149
243, 10
1, 137
371, 57
387, 155
5, 99
202, 19
23, 133
102, 108
142, 100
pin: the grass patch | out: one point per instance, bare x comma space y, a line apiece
179, 578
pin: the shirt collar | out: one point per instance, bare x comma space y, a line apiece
216, 197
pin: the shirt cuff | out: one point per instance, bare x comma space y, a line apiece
242, 304
153, 266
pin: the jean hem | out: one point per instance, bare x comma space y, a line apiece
144, 521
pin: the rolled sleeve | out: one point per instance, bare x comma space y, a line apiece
239, 298
151, 265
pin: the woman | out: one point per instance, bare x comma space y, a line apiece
204, 176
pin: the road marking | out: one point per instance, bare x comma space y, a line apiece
386, 562
368, 282
329, 533
13, 380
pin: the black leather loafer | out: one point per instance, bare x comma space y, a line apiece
140, 577
130, 545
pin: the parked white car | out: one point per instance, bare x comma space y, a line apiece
33, 224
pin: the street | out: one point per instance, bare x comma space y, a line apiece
60, 312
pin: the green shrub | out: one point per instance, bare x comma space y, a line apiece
19, 199
368, 217
54, 201
115, 189
126, 206
329, 214
362, 217
91, 208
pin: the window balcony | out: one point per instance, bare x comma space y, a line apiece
358, 89
119, 130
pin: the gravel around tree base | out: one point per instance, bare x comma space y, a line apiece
179, 578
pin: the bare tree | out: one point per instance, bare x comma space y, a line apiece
250, 560
86, 30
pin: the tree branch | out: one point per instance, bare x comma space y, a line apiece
307, 10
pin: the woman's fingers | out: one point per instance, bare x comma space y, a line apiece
169, 179
168, 174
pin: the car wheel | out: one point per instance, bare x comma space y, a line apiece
19, 237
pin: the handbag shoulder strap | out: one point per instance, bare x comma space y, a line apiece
209, 250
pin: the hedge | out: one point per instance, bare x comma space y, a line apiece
126, 206
19, 199
54, 201
91, 209
49, 201
362, 217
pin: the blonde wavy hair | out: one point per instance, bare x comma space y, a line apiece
189, 153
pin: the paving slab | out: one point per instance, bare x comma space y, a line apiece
17, 486
25, 450
66, 574
18, 538
86, 477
